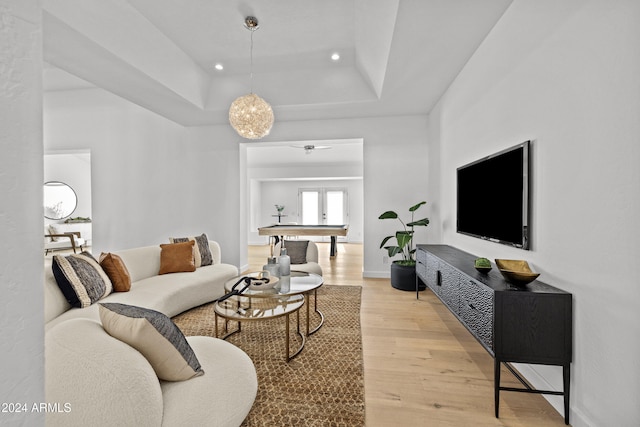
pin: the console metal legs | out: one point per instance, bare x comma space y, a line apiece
566, 381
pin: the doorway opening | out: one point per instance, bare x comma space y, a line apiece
288, 183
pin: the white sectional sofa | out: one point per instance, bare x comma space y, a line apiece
99, 380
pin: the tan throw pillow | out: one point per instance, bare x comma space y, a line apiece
201, 250
155, 336
113, 265
177, 257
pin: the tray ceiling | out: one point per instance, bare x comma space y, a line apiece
396, 56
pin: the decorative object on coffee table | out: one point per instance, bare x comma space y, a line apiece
272, 266
285, 262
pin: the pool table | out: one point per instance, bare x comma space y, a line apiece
280, 230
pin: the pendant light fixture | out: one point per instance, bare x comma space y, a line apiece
250, 115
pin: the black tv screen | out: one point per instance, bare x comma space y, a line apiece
493, 197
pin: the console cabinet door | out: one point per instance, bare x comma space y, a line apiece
534, 328
449, 291
476, 311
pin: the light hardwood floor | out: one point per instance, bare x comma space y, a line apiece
421, 366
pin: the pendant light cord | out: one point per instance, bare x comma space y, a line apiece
251, 65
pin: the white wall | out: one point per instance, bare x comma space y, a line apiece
21, 212
566, 75
153, 178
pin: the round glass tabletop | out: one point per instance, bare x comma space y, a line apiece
298, 282
262, 308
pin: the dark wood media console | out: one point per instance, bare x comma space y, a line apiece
522, 324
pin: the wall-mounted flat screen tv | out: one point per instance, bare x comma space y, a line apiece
493, 197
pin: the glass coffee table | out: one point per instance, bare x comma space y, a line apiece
286, 298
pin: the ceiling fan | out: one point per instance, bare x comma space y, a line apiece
309, 148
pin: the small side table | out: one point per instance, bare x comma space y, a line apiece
280, 216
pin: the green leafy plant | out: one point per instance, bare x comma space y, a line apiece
404, 237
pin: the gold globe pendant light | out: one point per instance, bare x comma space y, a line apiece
250, 115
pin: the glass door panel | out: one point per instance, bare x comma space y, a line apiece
310, 207
335, 207
323, 206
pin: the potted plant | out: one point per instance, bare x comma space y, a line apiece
403, 271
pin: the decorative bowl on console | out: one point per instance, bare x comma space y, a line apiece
483, 265
516, 271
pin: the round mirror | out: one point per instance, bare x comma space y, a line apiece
59, 200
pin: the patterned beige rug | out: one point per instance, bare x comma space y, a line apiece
323, 385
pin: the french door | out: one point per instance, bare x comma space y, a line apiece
323, 206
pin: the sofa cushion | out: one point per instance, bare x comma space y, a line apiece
155, 336
229, 394
201, 251
172, 294
81, 279
297, 250
113, 265
177, 257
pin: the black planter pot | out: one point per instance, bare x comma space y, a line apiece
403, 277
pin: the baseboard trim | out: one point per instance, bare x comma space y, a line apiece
258, 243
377, 274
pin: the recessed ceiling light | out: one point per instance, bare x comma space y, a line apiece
219, 67
335, 56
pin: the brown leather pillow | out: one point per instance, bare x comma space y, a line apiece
113, 265
177, 257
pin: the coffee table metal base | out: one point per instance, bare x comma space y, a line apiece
240, 311
318, 312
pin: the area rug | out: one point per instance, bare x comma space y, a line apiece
323, 385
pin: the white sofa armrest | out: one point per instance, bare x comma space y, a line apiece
216, 252
104, 381
222, 397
